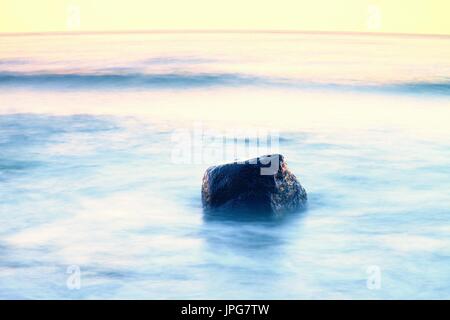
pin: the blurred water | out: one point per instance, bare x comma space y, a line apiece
87, 177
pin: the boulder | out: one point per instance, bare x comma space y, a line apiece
263, 184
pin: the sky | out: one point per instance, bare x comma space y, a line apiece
392, 16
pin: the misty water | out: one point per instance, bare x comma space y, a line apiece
91, 179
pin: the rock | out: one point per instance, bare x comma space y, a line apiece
262, 184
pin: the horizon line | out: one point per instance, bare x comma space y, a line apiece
238, 31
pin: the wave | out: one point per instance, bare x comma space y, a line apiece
168, 80
415, 88
93, 81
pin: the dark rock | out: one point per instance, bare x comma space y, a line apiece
262, 184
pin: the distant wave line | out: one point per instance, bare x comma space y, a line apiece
192, 80
126, 80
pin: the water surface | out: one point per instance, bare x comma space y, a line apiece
88, 178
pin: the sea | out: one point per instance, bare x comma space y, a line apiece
104, 139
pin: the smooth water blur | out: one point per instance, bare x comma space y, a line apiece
87, 176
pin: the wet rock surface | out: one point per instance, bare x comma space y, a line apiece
261, 185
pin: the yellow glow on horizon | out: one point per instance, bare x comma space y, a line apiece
399, 16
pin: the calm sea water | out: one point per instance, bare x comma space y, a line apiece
88, 179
